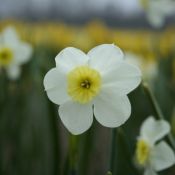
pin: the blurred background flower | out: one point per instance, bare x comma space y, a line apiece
157, 11
13, 53
150, 155
33, 140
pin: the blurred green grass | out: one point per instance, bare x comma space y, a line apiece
34, 141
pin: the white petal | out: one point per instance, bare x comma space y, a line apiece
69, 58
111, 110
162, 156
165, 7
154, 130
55, 86
149, 171
10, 37
124, 79
23, 52
14, 72
156, 19
76, 117
156, 13
104, 56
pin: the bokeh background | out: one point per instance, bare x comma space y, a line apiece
32, 138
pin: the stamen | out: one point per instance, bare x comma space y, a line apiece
85, 84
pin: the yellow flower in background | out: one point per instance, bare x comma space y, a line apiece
13, 52
150, 155
98, 32
157, 10
90, 84
60, 35
82, 40
64, 35
135, 41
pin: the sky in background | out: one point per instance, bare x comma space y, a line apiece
121, 13
42, 8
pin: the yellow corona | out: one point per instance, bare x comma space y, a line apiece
144, 3
142, 152
83, 84
6, 56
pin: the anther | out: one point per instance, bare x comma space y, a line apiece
85, 84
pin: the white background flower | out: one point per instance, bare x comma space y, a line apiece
14, 51
107, 99
151, 155
158, 10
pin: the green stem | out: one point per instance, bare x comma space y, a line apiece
56, 137
157, 109
127, 151
73, 154
112, 149
86, 147
4, 84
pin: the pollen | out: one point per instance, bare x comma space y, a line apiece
84, 84
142, 152
6, 56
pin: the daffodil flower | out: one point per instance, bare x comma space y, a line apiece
13, 52
158, 10
94, 83
150, 155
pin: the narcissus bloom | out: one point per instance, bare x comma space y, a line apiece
90, 84
13, 52
150, 155
158, 10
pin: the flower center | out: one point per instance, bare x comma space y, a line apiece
142, 152
86, 84
83, 84
6, 56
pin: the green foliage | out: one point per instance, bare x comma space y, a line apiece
33, 141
